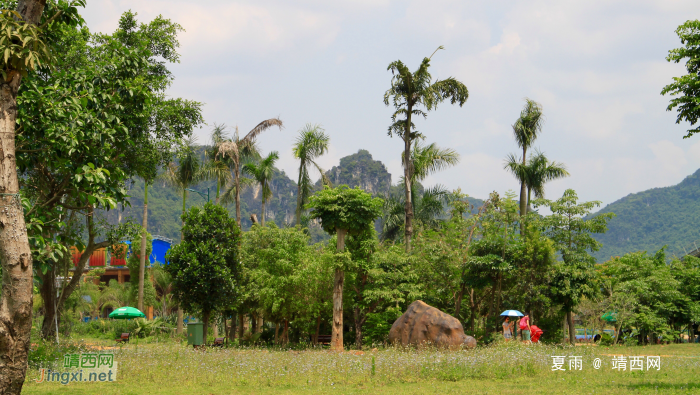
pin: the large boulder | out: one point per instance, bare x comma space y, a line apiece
423, 324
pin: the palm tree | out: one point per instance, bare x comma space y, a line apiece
537, 172
186, 173
526, 129
217, 168
311, 143
409, 91
429, 159
262, 172
429, 208
238, 150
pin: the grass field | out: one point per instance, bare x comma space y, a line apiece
505, 368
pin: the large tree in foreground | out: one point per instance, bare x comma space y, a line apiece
204, 266
343, 211
23, 51
686, 89
416, 94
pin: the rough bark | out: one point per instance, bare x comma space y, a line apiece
572, 328
359, 323
142, 257
232, 329
15, 254
337, 333
180, 321
241, 326
259, 324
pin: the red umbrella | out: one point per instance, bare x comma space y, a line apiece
535, 333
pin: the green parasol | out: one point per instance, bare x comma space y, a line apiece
610, 316
123, 313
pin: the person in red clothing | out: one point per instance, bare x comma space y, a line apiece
525, 329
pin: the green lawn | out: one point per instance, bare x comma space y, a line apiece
500, 369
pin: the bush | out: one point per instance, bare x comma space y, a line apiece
606, 340
48, 354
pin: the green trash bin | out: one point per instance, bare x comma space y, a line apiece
195, 333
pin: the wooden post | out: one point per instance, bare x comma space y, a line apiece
149, 313
120, 277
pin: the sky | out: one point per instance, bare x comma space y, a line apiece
597, 67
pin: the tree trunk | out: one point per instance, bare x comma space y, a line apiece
572, 328
298, 213
241, 326
180, 321
318, 328
285, 332
48, 295
277, 333
205, 327
359, 323
337, 334
262, 212
237, 182
458, 302
15, 255
215, 326
260, 323
142, 257
408, 227
232, 329
523, 196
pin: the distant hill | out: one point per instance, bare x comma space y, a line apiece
648, 220
360, 169
165, 203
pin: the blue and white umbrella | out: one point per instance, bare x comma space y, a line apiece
512, 313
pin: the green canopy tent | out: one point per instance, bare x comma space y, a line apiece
124, 313
610, 316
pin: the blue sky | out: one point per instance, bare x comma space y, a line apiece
597, 68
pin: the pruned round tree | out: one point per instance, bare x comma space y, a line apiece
205, 265
343, 211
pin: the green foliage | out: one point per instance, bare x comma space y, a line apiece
204, 266
284, 275
686, 88
343, 208
311, 143
21, 47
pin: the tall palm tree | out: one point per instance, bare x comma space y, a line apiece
238, 149
408, 92
311, 143
262, 172
217, 168
536, 173
525, 130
